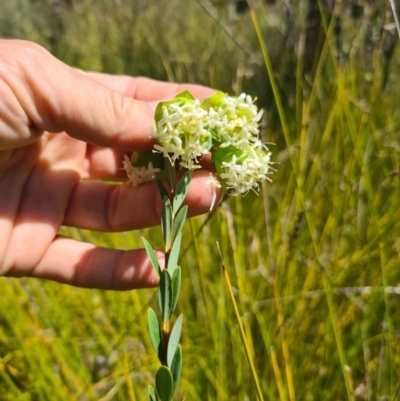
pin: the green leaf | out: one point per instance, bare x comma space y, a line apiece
176, 287
152, 393
226, 154
166, 221
155, 331
152, 256
164, 383
179, 221
181, 190
162, 191
165, 295
215, 100
170, 173
176, 367
181, 98
184, 95
158, 115
174, 254
209, 142
174, 338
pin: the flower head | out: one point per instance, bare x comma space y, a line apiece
228, 127
182, 131
234, 121
242, 172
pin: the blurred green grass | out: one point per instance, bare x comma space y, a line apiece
315, 261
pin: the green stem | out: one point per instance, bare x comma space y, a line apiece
165, 332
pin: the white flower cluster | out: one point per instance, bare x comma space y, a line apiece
225, 126
236, 121
188, 129
183, 132
139, 175
241, 176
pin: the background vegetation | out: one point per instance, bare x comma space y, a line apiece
315, 260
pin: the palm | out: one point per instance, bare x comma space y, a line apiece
41, 189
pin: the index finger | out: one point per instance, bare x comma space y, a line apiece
146, 89
44, 94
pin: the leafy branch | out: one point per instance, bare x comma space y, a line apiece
164, 336
186, 130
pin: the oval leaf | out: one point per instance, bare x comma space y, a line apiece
174, 338
181, 190
174, 254
165, 295
162, 191
179, 221
213, 100
176, 286
155, 331
152, 393
158, 115
184, 95
152, 256
226, 154
164, 383
176, 367
170, 172
166, 221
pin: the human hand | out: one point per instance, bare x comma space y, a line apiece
64, 132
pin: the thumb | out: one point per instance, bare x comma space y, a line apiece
51, 96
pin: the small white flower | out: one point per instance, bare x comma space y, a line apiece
214, 183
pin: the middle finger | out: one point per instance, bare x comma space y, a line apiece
104, 207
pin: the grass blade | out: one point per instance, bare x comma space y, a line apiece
152, 393
241, 330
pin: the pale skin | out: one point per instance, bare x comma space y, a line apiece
63, 132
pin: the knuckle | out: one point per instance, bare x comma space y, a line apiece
16, 55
